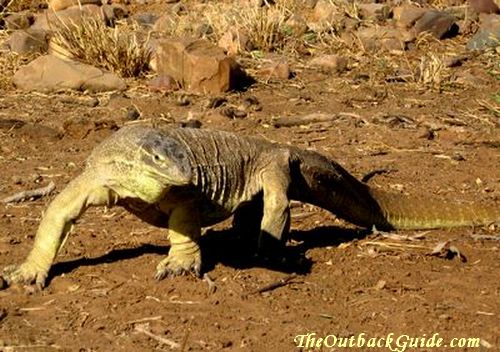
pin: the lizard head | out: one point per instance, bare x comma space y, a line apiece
165, 159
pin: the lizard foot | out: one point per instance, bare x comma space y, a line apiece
177, 264
25, 273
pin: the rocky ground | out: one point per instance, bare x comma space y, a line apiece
408, 91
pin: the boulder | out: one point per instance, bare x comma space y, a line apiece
58, 5
484, 6
324, 16
166, 23
438, 23
49, 19
488, 34
373, 11
20, 20
28, 41
197, 65
51, 74
324, 11
406, 15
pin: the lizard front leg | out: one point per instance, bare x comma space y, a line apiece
56, 223
184, 232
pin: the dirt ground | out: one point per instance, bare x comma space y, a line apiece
102, 295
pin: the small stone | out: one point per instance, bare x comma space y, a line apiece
145, 19
278, 70
133, 113
179, 9
3, 285
235, 41
215, 102
297, 24
380, 285
203, 29
113, 13
164, 83
457, 157
330, 63
324, 11
391, 39
251, 103
182, 100
227, 343
191, 123
166, 23
233, 112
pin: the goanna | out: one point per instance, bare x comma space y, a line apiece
185, 179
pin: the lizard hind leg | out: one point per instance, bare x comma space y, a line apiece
184, 234
275, 224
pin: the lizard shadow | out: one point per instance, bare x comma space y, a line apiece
227, 248
114, 255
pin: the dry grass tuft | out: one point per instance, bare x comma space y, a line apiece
10, 62
265, 26
115, 49
432, 71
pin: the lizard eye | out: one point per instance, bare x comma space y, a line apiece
157, 158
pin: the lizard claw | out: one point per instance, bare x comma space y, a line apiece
26, 274
174, 265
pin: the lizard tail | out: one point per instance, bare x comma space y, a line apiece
323, 182
402, 212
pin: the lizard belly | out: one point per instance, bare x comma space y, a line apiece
210, 212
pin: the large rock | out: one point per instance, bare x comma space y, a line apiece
20, 20
325, 14
58, 5
51, 74
28, 41
49, 19
439, 24
488, 34
197, 65
484, 6
406, 15
373, 11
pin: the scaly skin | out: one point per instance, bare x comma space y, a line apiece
184, 179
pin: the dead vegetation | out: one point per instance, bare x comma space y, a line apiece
118, 49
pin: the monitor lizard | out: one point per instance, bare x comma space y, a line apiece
185, 179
